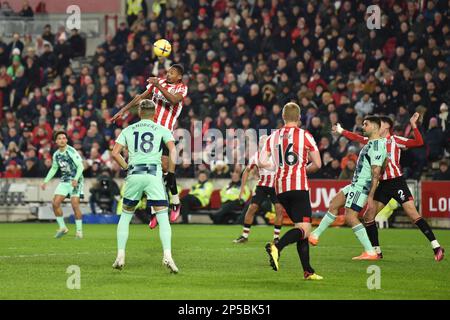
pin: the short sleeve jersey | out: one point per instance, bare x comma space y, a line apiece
167, 114
144, 140
68, 161
372, 154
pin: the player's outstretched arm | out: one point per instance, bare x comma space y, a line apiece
116, 155
411, 143
337, 128
316, 162
173, 98
50, 174
138, 98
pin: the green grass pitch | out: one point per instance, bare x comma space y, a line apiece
33, 265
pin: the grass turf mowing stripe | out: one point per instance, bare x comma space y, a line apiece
212, 267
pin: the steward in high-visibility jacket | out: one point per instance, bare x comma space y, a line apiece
202, 191
198, 197
231, 192
230, 200
133, 9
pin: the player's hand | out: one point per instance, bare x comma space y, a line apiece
74, 183
43, 186
337, 128
414, 119
153, 80
117, 116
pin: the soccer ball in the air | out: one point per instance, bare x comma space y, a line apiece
162, 48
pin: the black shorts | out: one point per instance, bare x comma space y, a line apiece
263, 193
297, 205
396, 188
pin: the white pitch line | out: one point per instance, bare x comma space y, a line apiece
48, 255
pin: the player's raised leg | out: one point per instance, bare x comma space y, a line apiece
62, 230
411, 211
336, 203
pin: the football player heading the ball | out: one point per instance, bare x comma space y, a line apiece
168, 95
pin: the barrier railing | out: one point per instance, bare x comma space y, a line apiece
431, 197
90, 26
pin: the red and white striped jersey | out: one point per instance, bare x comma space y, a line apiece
166, 114
289, 148
266, 177
394, 146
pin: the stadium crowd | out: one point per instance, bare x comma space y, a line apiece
244, 60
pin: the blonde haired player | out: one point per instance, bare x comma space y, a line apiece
290, 148
143, 139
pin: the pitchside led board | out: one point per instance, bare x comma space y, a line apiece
433, 197
322, 191
436, 199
